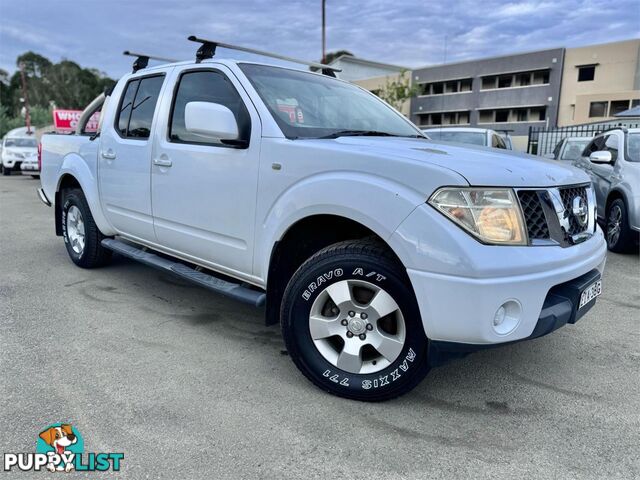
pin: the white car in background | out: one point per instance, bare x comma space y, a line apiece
30, 166
17, 146
471, 136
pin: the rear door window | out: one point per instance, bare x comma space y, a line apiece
138, 106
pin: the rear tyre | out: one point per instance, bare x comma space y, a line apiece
351, 323
6, 171
35, 176
620, 237
81, 235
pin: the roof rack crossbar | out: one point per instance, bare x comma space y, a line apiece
208, 49
142, 59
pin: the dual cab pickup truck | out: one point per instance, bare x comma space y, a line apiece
381, 253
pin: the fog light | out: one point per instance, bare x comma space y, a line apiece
507, 317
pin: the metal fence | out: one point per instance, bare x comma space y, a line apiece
543, 140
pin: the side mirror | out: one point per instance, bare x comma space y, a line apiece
550, 156
210, 120
601, 157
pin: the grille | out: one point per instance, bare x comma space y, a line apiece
567, 195
533, 214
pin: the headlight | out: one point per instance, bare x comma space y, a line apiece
492, 215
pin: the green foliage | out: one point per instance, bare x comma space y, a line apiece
396, 92
61, 85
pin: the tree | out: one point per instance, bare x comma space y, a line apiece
398, 90
64, 84
331, 56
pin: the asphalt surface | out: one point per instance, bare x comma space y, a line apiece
188, 384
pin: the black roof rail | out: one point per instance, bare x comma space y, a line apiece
142, 59
208, 50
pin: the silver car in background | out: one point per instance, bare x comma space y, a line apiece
569, 148
612, 160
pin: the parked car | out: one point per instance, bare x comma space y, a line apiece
30, 165
569, 148
612, 160
473, 136
16, 146
380, 253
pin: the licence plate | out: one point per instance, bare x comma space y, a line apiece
590, 293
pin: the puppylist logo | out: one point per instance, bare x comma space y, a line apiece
60, 448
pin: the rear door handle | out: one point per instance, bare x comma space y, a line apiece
162, 162
109, 154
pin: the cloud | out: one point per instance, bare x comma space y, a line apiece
404, 32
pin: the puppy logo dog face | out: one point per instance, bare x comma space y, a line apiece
59, 438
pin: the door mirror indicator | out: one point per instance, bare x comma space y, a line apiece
211, 121
601, 157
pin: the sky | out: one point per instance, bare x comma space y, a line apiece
408, 33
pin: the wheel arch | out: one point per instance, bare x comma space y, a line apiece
300, 241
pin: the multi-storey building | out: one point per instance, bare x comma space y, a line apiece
502, 93
599, 81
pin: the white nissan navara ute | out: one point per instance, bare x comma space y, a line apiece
381, 253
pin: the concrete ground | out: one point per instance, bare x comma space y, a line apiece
191, 385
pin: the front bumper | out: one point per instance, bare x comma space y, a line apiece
460, 284
559, 308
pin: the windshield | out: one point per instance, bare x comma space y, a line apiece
306, 105
474, 138
574, 149
20, 142
633, 147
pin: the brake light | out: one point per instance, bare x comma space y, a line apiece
39, 156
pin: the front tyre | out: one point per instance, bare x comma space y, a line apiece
620, 237
351, 323
81, 235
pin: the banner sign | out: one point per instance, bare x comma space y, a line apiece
66, 120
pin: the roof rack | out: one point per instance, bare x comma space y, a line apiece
208, 50
142, 59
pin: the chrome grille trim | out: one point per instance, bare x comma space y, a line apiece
561, 224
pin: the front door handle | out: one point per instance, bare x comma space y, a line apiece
162, 162
109, 154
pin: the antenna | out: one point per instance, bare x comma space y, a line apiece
142, 59
208, 49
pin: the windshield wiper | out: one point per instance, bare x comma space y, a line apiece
358, 133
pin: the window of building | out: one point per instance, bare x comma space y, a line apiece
138, 106
618, 106
502, 116
451, 87
435, 119
444, 118
586, 73
522, 114
504, 81
437, 88
488, 83
523, 79
541, 77
206, 86
537, 114
598, 109
466, 85
486, 116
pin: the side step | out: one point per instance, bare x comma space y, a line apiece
216, 284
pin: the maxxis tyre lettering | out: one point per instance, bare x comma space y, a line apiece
353, 260
94, 254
